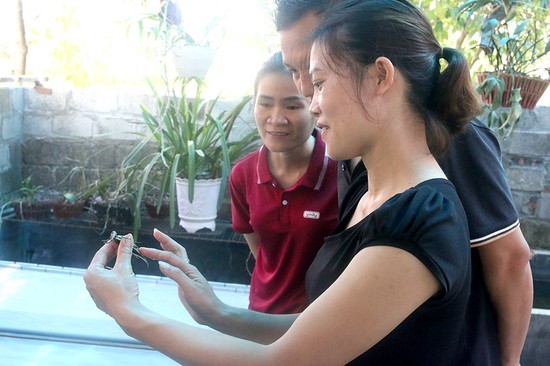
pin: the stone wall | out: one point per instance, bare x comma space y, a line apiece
90, 130
48, 135
11, 134
526, 158
87, 129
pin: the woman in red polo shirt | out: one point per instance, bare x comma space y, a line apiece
284, 195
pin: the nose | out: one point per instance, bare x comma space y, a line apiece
277, 117
314, 109
305, 86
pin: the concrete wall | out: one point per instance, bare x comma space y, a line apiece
47, 135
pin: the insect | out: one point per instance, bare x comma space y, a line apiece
136, 252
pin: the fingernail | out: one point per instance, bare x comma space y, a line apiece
163, 265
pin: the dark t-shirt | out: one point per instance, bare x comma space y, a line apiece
429, 222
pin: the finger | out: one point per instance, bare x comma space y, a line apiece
103, 255
124, 254
174, 273
169, 244
166, 256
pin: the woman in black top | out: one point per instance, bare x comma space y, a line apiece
391, 284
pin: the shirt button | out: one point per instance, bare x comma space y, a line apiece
285, 202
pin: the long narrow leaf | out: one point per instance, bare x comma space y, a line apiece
191, 169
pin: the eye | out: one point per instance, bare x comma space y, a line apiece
292, 71
264, 104
318, 85
294, 107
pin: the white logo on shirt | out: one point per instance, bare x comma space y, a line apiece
312, 215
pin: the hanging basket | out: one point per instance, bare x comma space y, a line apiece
192, 61
531, 89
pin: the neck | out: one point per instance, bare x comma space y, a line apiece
288, 167
406, 164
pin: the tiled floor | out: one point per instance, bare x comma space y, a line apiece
48, 318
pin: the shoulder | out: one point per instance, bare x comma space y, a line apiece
429, 222
247, 163
476, 139
431, 209
474, 164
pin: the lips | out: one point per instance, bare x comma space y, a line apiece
321, 126
275, 133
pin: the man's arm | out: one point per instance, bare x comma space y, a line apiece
507, 275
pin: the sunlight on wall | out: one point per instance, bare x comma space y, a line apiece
84, 42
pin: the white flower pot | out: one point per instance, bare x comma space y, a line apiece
192, 61
202, 212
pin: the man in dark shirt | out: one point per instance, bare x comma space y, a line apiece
473, 164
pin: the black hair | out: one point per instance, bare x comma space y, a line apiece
273, 65
288, 12
356, 32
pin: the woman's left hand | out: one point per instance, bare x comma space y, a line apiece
115, 290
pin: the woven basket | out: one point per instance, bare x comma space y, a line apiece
531, 89
65, 210
36, 210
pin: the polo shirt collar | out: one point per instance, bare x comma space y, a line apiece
315, 174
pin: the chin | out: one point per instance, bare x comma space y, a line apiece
334, 155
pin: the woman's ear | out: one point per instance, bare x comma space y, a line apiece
384, 74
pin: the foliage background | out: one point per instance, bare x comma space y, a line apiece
84, 42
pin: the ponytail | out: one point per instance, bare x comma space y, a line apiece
452, 103
454, 97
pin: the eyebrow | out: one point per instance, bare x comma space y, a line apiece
315, 69
287, 99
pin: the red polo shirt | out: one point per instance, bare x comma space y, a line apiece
291, 224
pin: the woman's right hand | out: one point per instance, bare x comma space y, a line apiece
194, 290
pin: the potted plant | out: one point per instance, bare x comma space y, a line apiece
193, 146
190, 57
30, 202
71, 203
69, 206
113, 200
156, 205
514, 39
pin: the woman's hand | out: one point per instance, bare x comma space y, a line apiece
194, 290
115, 290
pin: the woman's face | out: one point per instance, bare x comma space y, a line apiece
340, 112
282, 113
